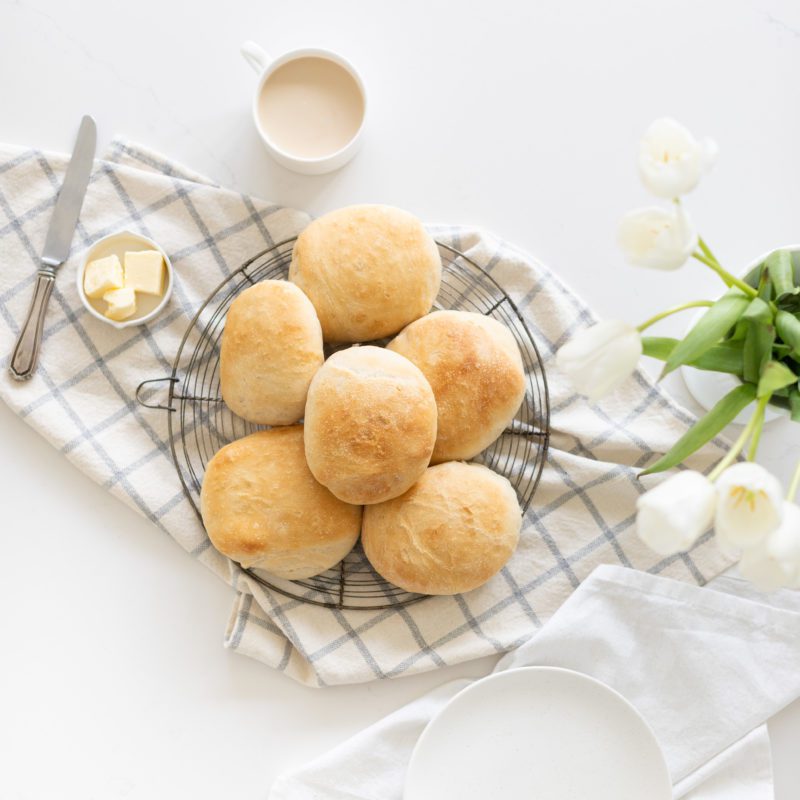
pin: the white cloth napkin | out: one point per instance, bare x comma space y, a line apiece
706, 668
82, 400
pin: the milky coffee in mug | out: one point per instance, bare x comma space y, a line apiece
309, 108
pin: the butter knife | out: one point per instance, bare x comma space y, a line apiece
56, 249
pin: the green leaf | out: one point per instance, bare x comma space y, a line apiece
658, 346
781, 272
794, 404
722, 357
775, 376
765, 285
796, 266
789, 302
788, 327
757, 350
758, 311
707, 428
709, 329
739, 332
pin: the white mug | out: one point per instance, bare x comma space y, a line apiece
265, 66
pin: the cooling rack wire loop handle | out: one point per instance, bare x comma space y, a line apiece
142, 387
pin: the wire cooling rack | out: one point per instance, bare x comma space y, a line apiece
200, 423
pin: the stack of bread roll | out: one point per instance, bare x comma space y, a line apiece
386, 433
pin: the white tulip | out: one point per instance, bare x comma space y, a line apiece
657, 238
775, 562
671, 160
598, 359
749, 506
673, 515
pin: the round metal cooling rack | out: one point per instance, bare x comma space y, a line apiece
200, 423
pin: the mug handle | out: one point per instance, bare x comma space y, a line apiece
255, 55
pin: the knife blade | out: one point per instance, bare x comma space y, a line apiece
70, 198
56, 248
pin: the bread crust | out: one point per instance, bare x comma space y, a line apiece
370, 424
475, 369
450, 533
271, 349
262, 507
369, 270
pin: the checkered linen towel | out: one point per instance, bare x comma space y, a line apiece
82, 400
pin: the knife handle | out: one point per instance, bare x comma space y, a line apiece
26, 351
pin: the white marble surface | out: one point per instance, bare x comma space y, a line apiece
522, 118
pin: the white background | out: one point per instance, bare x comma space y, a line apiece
520, 117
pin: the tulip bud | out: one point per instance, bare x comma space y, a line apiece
775, 561
657, 238
598, 359
673, 515
671, 160
749, 506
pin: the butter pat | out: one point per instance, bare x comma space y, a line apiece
121, 303
102, 276
144, 271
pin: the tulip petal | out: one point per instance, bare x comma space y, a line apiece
656, 238
598, 359
775, 562
671, 160
673, 515
749, 505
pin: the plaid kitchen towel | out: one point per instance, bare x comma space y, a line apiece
82, 400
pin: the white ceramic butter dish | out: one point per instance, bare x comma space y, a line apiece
148, 307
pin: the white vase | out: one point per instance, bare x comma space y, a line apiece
708, 388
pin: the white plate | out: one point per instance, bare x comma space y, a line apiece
538, 733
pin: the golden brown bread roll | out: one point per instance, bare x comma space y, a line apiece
369, 270
271, 348
475, 370
449, 533
370, 424
262, 507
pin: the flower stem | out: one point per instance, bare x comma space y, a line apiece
729, 280
793, 486
739, 444
706, 249
674, 310
759, 413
